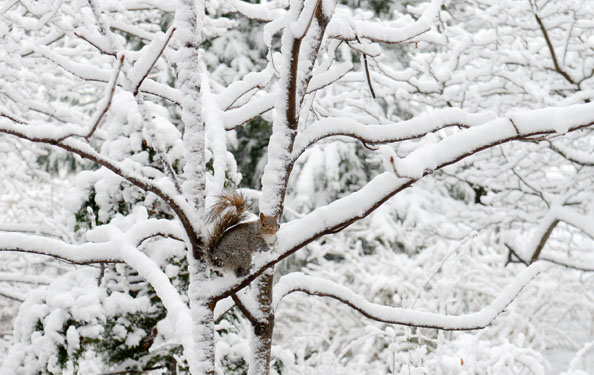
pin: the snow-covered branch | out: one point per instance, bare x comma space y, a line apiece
137, 75
96, 74
238, 116
377, 134
347, 29
87, 253
106, 102
298, 282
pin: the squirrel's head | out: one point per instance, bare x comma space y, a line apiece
268, 228
268, 225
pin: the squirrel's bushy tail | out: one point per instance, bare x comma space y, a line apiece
230, 209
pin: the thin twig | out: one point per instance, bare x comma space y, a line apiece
107, 104
545, 33
150, 66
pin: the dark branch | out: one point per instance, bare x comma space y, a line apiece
558, 68
543, 241
107, 105
150, 66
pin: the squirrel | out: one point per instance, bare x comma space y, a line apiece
237, 233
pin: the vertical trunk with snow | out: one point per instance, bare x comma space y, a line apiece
201, 308
261, 334
305, 21
189, 18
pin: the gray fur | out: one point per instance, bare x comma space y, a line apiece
234, 250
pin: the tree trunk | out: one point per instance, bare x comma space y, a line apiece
203, 332
202, 358
261, 335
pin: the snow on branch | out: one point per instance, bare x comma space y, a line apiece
257, 12
239, 88
344, 28
295, 75
122, 247
376, 134
93, 73
215, 133
148, 59
86, 253
176, 308
106, 102
298, 282
236, 117
427, 159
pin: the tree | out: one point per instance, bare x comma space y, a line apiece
146, 92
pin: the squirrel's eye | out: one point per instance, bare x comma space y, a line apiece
218, 263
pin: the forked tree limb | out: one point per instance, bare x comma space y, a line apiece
422, 162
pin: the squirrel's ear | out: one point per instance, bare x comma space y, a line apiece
261, 216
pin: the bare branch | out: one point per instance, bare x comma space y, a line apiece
86, 38
106, 103
368, 76
543, 240
574, 156
244, 310
12, 295
298, 282
25, 279
545, 33
11, 118
548, 223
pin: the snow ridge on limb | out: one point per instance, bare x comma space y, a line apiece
377, 134
235, 117
348, 30
93, 73
298, 282
90, 252
257, 12
86, 253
